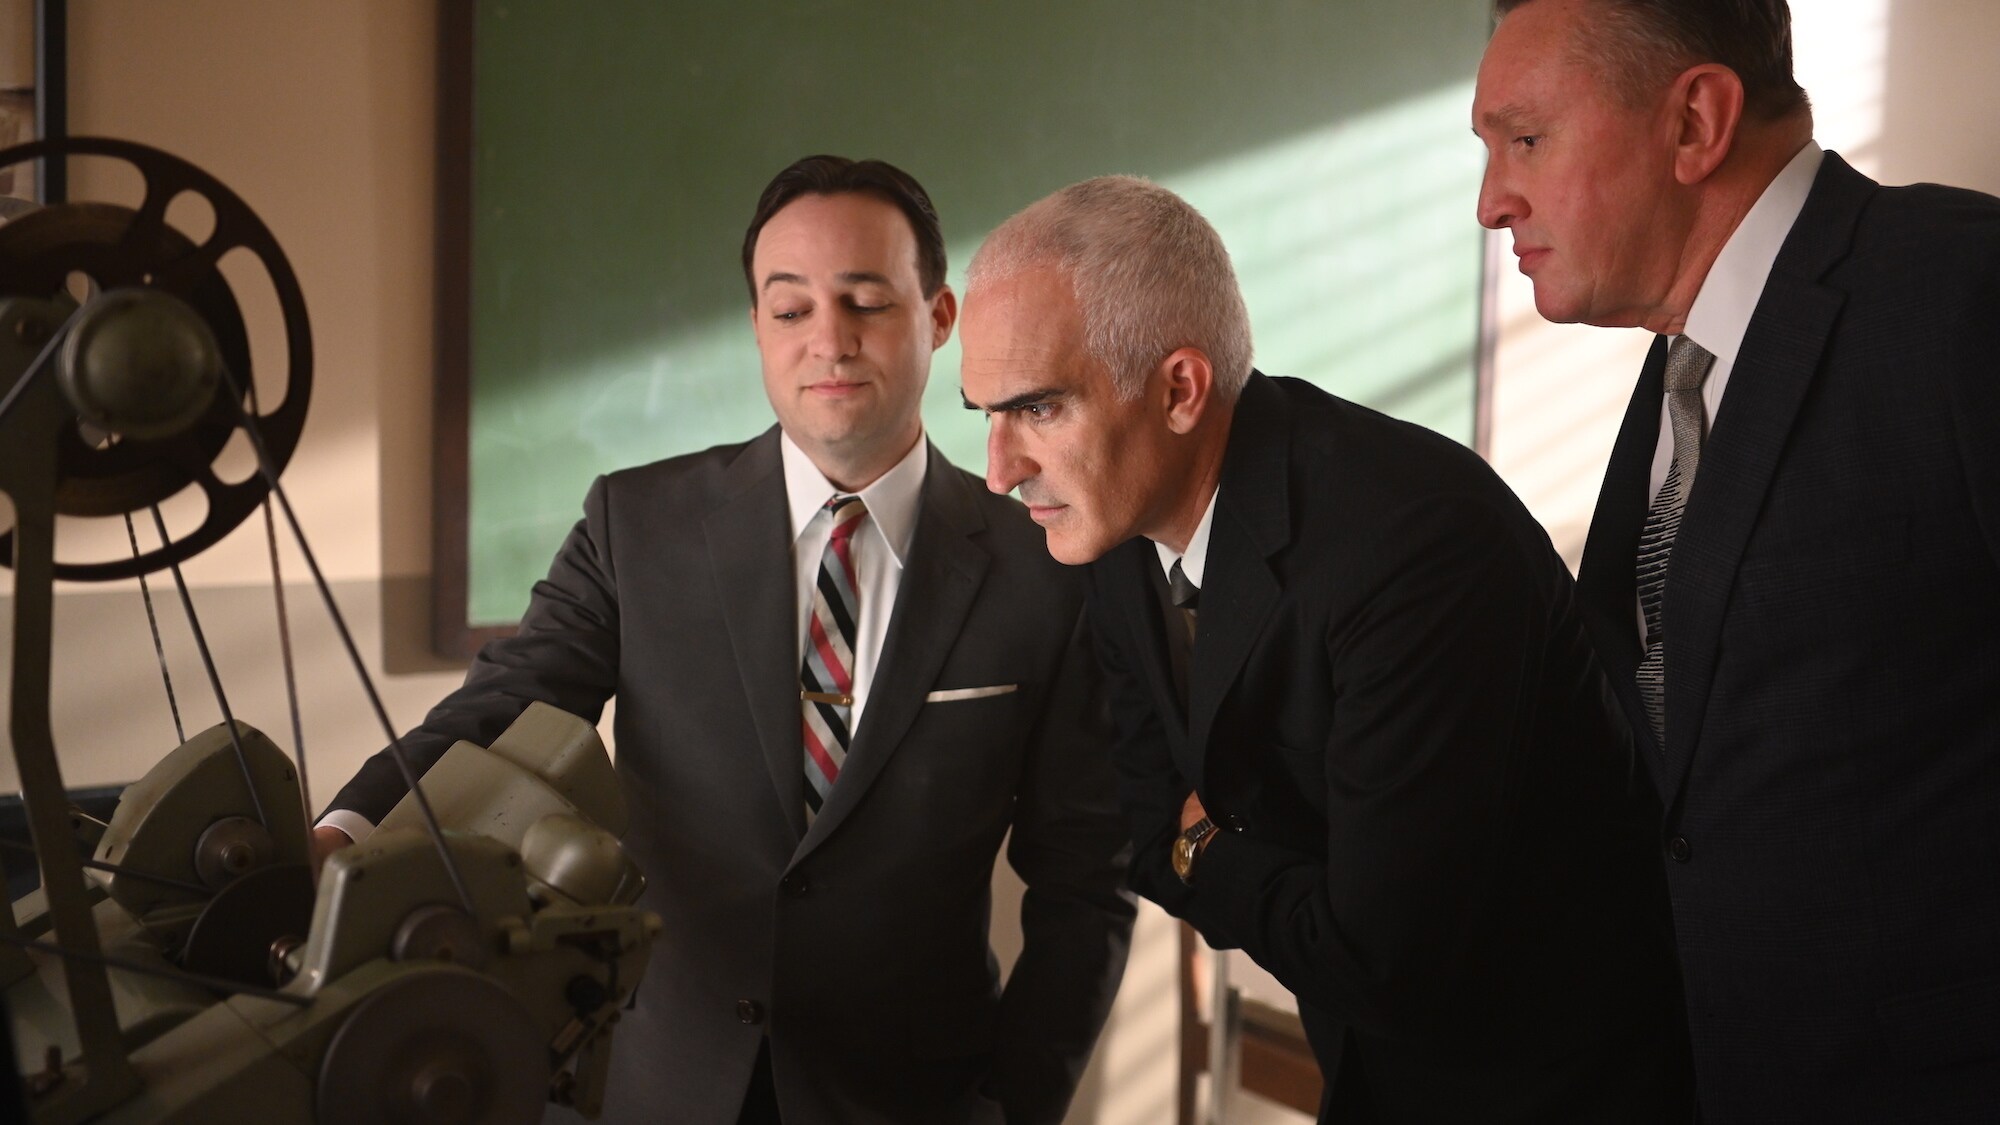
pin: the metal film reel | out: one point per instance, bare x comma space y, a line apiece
119, 248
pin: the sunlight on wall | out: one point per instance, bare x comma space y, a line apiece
1840, 55
1358, 264
1560, 390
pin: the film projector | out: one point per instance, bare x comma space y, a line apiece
182, 962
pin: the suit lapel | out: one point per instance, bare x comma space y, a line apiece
1252, 522
942, 576
1607, 582
1781, 353
750, 554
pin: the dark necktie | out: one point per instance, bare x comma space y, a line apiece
1687, 365
1184, 594
826, 676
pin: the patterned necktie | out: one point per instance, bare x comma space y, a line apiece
826, 676
1687, 365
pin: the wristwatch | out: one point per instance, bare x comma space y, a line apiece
1188, 847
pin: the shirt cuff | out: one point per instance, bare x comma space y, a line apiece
354, 824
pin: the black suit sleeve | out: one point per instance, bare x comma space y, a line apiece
1972, 384
565, 654
1434, 673
1069, 845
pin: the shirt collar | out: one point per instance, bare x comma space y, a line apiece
1194, 562
892, 499
1721, 311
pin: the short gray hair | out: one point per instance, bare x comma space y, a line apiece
1150, 275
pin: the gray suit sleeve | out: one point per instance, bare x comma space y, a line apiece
1070, 847
565, 654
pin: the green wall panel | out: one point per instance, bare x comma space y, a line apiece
619, 146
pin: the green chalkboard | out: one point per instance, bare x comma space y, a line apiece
615, 150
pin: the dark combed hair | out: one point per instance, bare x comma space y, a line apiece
1641, 44
838, 175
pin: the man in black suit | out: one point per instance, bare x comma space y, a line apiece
828, 719
1793, 575
1389, 769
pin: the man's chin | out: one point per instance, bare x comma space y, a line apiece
1071, 550
1555, 306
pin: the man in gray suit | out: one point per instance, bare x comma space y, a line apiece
844, 673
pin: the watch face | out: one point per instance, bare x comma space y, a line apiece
1183, 856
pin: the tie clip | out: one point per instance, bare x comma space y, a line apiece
826, 697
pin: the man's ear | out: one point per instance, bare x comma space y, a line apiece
1188, 379
1707, 101
944, 314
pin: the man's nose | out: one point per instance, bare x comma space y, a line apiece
1006, 466
1499, 204
834, 337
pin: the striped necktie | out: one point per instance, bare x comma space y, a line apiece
1687, 365
826, 676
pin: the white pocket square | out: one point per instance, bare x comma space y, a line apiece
952, 695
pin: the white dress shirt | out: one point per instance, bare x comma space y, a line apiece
1194, 562
1721, 311
880, 547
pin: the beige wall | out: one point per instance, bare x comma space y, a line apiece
320, 114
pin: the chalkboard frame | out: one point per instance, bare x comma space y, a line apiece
453, 635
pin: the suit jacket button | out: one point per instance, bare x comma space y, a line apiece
793, 885
1678, 849
749, 1011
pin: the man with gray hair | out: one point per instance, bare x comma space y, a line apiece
1361, 733
1793, 572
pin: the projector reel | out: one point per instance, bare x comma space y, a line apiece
121, 249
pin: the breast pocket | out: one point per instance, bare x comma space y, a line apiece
957, 766
968, 694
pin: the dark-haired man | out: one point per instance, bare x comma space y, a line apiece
844, 673
1794, 567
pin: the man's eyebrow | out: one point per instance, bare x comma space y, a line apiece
1005, 406
852, 277
1505, 117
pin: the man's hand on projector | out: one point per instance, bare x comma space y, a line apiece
326, 840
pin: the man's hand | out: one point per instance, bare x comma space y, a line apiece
325, 842
1190, 812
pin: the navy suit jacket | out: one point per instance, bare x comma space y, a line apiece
1831, 771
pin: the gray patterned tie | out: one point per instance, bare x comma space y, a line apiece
1687, 365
